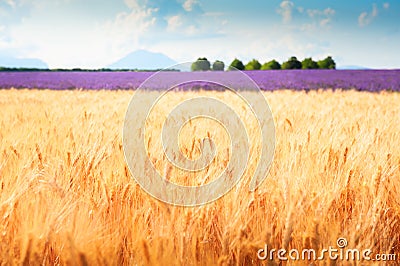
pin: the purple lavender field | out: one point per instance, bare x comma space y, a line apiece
363, 80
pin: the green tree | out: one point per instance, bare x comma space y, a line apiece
201, 64
218, 66
292, 63
236, 64
273, 64
327, 63
253, 65
308, 63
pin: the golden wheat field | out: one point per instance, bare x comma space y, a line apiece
67, 197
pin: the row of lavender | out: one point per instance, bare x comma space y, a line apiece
366, 80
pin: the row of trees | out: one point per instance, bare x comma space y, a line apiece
202, 64
31, 69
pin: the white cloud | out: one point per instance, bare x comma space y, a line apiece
191, 30
147, 27
189, 4
366, 18
11, 3
374, 11
174, 22
316, 12
286, 10
313, 12
325, 22
363, 19
329, 11
320, 17
124, 33
214, 14
386, 5
135, 4
180, 24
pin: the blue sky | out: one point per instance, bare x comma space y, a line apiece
93, 33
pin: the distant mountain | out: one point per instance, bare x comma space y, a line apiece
7, 61
142, 59
350, 67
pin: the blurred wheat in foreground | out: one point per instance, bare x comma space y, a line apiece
67, 196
